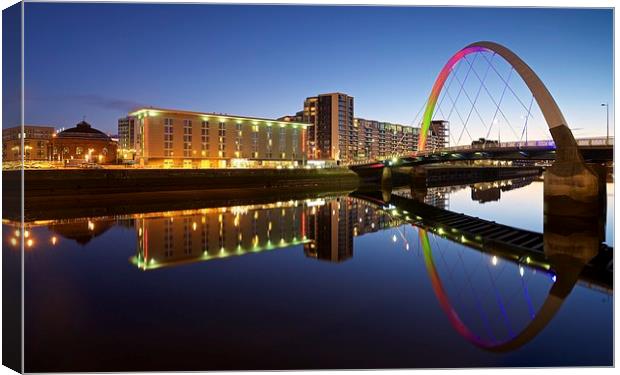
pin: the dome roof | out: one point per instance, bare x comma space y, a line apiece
83, 130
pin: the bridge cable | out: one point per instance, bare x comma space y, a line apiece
413, 122
481, 310
494, 102
526, 119
527, 298
501, 98
500, 302
447, 119
510, 88
458, 293
453, 72
454, 102
459, 115
473, 103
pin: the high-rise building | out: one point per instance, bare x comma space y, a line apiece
36, 141
335, 134
332, 134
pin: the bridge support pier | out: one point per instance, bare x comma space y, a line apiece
574, 189
575, 205
373, 179
571, 242
419, 176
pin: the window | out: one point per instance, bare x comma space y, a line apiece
167, 137
204, 237
282, 141
187, 138
168, 239
187, 235
204, 138
238, 139
221, 147
254, 144
269, 142
294, 142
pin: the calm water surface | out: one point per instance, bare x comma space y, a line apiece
332, 282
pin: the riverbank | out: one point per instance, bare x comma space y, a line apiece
105, 191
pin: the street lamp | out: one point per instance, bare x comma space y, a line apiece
606, 105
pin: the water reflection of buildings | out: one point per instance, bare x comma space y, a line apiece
333, 225
82, 231
326, 228
180, 237
492, 191
481, 192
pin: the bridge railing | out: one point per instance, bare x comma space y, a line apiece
598, 141
594, 141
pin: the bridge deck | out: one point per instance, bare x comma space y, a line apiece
592, 150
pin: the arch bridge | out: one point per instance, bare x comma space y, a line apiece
573, 160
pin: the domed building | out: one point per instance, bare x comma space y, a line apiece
83, 143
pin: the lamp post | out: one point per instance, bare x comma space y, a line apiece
606, 105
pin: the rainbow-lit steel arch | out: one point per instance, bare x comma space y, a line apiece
564, 140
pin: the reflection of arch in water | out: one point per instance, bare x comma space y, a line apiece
566, 279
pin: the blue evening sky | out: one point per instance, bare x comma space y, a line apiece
102, 60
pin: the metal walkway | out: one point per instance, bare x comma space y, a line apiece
508, 242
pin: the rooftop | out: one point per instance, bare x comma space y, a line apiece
154, 111
82, 130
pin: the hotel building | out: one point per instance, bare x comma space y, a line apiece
173, 138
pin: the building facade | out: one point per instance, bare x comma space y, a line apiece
332, 134
383, 140
439, 134
36, 141
183, 139
335, 134
82, 143
127, 137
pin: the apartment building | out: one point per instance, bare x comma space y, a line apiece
331, 134
335, 134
